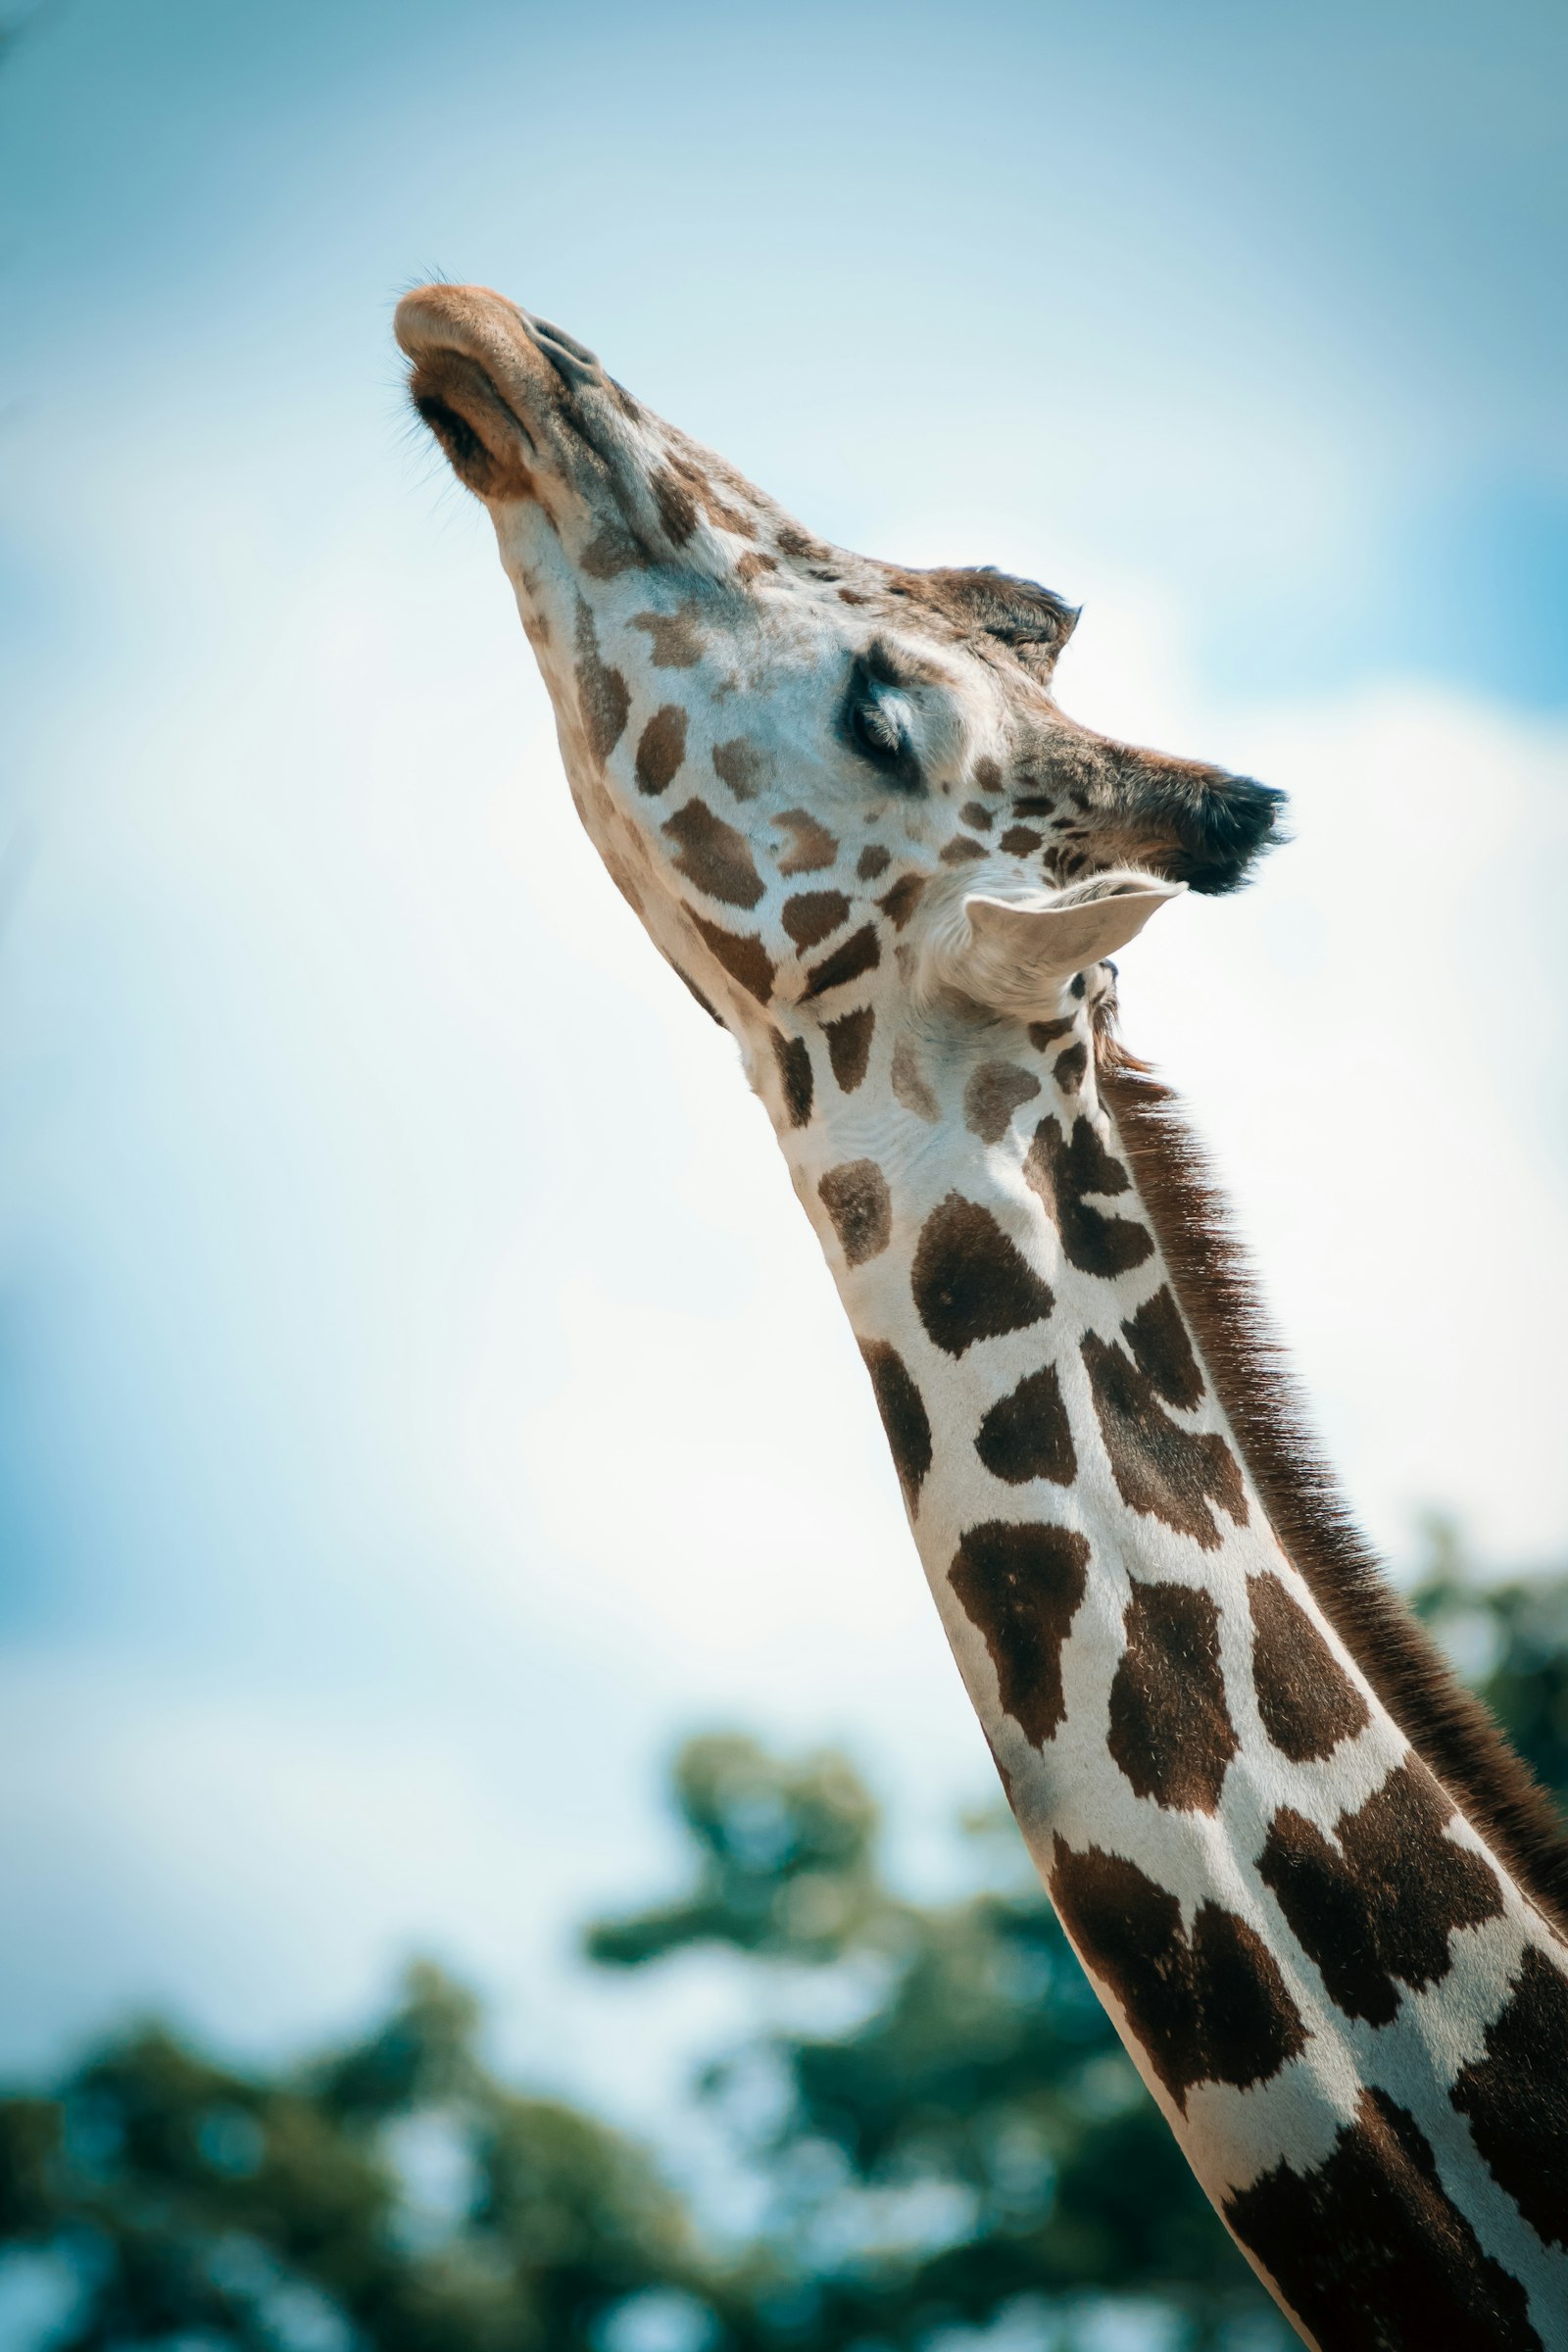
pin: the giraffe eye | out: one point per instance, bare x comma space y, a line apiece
879, 730
877, 722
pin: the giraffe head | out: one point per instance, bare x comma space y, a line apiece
816, 777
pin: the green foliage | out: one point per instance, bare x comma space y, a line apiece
786, 1863
1511, 1641
197, 2202
967, 2157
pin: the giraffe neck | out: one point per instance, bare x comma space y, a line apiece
1328, 1975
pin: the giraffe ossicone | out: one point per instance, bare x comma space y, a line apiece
1322, 1902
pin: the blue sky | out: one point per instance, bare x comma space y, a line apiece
321, 1262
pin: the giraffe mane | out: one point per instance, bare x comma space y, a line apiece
1210, 1271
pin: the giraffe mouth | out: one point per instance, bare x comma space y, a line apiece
495, 386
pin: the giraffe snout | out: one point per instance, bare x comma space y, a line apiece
1193, 823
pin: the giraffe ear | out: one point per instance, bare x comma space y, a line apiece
1019, 953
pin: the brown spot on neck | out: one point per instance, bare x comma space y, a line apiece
794, 1059
1307, 1702
674, 639
714, 856
1513, 2096
1162, 1351
970, 1281
1382, 1902
909, 1083
661, 750
1026, 1434
860, 953
813, 915
993, 1094
1021, 1587
1164, 1471
812, 847
610, 552
742, 955
900, 903
1062, 1173
1170, 1728
1371, 2253
603, 699
849, 1046
856, 1196
904, 1417
1212, 2006
740, 765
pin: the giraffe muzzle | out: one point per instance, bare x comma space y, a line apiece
502, 391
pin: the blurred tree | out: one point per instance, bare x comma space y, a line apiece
392, 2195
969, 2160
1511, 1640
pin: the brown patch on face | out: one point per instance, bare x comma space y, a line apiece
714, 856
1383, 1903
860, 953
853, 596
609, 552
1026, 1434
960, 850
849, 1046
661, 750
1168, 1472
909, 1085
754, 563
976, 813
791, 540
873, 859
992, 1096
1020, 1589
602, 697
794, 1058
988, 775
1045, 1033
812, 915
719, 511
674, 639
970, 1281
740, 765
811, 846
1306, 1700
856, 1196
1062, 1173
1021, 841
1370, 2251
1170, 1728
901, 902
1071, 1064
1208, 2007
904, 1417
1162, 1351
1513, 2097
677, 508
744, 957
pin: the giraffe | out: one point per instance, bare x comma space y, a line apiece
1321, 1901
